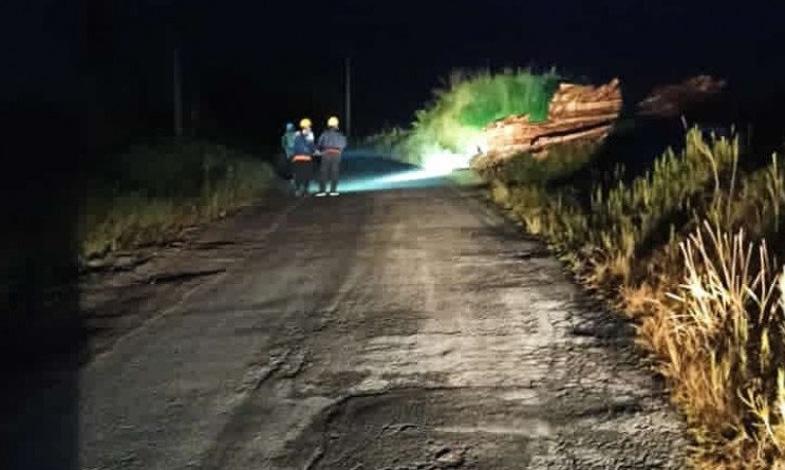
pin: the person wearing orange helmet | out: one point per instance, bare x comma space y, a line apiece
303, 151
331, 145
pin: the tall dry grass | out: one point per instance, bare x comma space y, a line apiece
682, 249
719, 336
149, 194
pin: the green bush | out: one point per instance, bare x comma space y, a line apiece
454, 120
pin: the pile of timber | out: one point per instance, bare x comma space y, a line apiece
673, 100
576, 113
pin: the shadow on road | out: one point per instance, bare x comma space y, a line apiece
40, 327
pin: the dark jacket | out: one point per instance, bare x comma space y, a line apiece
331, 139
303, 145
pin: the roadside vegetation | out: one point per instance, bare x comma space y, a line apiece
451, 124
150, 193
690, 251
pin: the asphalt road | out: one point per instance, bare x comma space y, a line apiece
401, 329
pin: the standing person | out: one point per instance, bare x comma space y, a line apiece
287, 144
304, 149
331, 145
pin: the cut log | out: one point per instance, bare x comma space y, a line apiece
576, 112
580, 100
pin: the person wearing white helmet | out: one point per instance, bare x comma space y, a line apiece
304, 149
331, 145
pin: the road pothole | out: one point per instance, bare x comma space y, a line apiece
183, 276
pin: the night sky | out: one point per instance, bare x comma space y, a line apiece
251, 65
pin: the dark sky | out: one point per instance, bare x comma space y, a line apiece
251, 65
401, 49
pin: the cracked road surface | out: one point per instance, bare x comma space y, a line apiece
412, 329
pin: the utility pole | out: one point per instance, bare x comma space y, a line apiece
177, 86
348, 96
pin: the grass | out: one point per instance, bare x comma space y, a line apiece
559, 162
453, 121
689, 251
149, 194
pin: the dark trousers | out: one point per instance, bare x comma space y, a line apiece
284, 166
303, 172
329, 170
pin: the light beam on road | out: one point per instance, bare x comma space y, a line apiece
438, 163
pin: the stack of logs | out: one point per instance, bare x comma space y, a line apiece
576, 112
675, 99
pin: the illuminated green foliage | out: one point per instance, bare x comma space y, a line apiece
483, 98
453, 121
